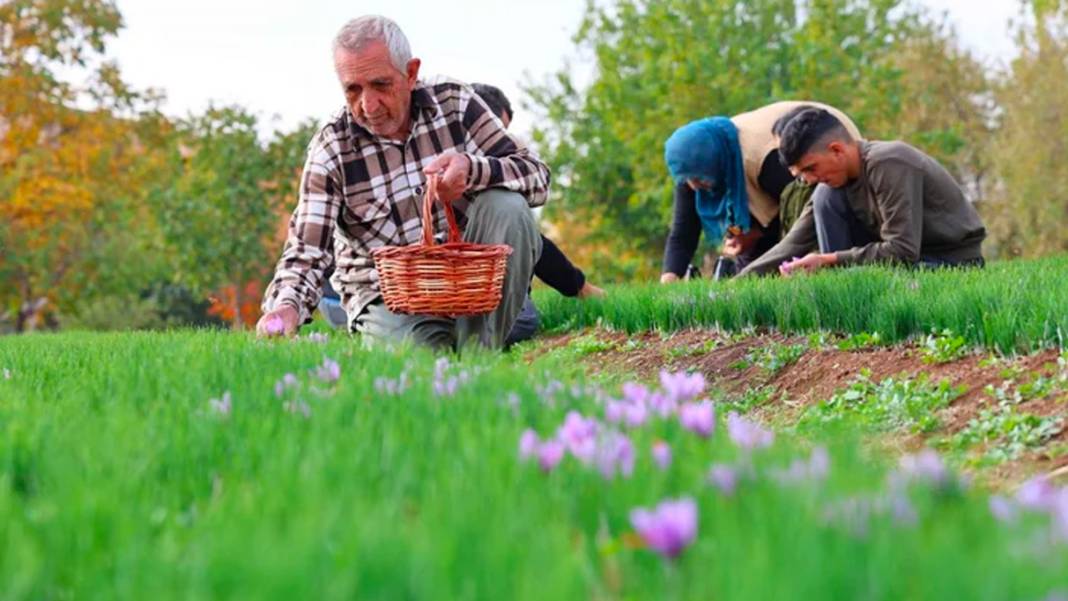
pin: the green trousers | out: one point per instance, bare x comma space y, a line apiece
494, 217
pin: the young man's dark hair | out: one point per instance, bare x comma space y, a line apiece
780, 123
808, 129
495, 99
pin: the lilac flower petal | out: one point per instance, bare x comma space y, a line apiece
661, 454
682, 387
699, 418
669, 528
274, 325
1037, 494
724, 478
550, 453
1003, 509
528, 443
746, 434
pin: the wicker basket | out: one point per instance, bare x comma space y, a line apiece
448, 280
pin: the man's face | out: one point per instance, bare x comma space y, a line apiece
379, 96
829, 166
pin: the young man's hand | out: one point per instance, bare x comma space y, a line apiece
283, 321
453, 168
668, 277
809, 262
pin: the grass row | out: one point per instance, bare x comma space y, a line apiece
1009, 306
121, 478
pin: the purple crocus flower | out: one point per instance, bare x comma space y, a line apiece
615, 453
663, 405
661, 454
329, 372
813, 469
1059, 513
902, 511
550, 453
298, 407
927, 467
287, 381
669, 528
1037, 494
1004, 510
746, 434
682, 387
528, 444
274, 325
446, 387
317, 337
614, 411
579, 436
222, 406
635, 394
723, 477
699, 418
635, 414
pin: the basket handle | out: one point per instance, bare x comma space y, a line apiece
428, 213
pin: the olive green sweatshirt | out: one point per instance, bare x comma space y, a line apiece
908, 200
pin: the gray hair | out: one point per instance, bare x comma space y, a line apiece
361, 31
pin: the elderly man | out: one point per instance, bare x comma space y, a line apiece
363, 185
877, 202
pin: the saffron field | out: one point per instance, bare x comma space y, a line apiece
208, 465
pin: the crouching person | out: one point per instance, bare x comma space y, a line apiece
363, 186
877, 202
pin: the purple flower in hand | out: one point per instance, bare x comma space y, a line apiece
669, 528
682, 387
723, 477
748, 435
274, 325
661, 454
699, 418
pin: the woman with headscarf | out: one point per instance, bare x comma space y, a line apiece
729, 182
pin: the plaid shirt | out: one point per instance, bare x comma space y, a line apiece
360, 191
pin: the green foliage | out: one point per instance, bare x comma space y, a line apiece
1010, 305
1026, 214
860, 341
771, 358
943, 347
879, 60
118, 479
888, 405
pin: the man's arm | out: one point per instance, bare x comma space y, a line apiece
799, 241
498, 159
308, 250
899, 194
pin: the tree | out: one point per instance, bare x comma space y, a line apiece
1029, 208
68, 176
696, 58
220, 216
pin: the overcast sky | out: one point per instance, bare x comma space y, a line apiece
274, 57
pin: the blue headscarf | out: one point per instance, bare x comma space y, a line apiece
708, 149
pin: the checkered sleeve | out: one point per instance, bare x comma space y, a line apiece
499, 159
308, 250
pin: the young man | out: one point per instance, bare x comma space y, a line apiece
362, 188
877, 202
729, 180
553, 267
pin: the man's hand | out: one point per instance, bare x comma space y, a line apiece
453, 168
809, 262
283, 321
668, 277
